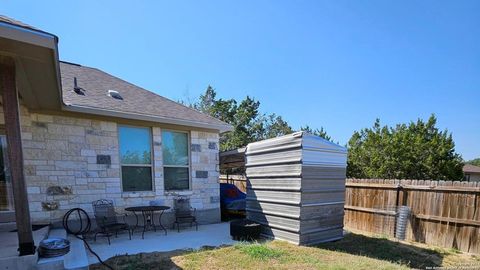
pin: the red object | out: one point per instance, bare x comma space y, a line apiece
231, 193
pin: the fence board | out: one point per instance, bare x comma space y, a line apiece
444, 213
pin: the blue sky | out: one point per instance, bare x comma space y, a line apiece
336, 64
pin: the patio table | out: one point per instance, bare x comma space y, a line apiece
147, 214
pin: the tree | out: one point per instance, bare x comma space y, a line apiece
475, 162
275, 126
317, 132
249, 125
246, 127
417, 150
206, 101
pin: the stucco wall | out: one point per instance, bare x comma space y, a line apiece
60, 156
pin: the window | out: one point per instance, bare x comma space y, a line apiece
136, 158
176, 160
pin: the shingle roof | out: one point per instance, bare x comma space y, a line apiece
469, 168
136, 100
14, 22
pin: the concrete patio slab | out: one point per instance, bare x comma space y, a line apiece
207, 235
9, 258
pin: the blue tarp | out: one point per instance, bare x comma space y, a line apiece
232, 198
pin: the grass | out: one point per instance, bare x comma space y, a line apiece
259, 251
355, 251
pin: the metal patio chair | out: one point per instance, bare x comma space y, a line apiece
107, 221
184, 213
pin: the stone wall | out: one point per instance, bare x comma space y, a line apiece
62, 170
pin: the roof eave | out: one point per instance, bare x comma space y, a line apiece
36, 38
142, 117
27, 35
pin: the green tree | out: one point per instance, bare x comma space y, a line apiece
275, 126
249, 125
317, 132
418, 150
246, 127
206, 101
243, 116
475, 162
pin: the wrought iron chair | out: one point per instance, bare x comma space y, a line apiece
184, 213
107, 221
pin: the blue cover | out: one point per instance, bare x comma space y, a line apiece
232, 198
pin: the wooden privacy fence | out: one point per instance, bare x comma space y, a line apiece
444, 213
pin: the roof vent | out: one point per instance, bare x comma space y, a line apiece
114, 94
77, 89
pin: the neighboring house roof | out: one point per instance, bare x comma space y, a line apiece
135, 100
469, 168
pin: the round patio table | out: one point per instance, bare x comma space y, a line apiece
147, 214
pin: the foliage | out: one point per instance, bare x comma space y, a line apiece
475, 162
417, 150
275, 126
249, 125
317, 132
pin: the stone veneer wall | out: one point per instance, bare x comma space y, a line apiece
61, 170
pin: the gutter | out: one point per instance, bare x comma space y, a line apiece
143, 117
27, 35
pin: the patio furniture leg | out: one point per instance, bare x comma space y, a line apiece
152, 221
160, 222
136, 224
129, 234
108, 237
196, 226
144, 224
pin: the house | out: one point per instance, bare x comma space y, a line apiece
72, 134
471, 173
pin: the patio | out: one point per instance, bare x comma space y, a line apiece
9, 258
207, 235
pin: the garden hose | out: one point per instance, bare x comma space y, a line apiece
82, 230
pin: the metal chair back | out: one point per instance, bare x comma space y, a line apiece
104, 212
182, 207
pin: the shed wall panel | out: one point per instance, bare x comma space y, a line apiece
273, 171
296, 188
275, 209
290, 183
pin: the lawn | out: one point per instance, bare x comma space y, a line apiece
355, 251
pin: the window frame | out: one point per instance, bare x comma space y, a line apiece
152, 160
189, 166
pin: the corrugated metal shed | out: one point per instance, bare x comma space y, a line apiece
297, 187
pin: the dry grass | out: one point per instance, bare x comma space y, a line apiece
355, 251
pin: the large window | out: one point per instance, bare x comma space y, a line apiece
176, 160
136, 158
